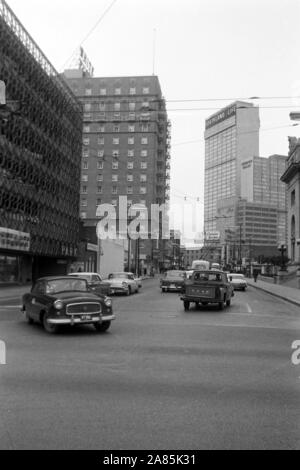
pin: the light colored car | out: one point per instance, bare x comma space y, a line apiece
95, 282
238, 281
123, 283
189, 274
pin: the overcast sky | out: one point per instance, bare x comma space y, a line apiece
204, 49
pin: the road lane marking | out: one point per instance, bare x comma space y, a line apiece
249, 308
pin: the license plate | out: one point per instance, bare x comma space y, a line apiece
172, 286
86, 317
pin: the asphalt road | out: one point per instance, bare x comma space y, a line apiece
161, 378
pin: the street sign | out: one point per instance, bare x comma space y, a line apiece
2, 93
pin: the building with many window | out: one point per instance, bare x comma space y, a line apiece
126, 147
40, 158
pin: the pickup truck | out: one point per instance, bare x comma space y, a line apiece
207, 287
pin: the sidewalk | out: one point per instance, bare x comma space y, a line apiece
289, 294
13, 291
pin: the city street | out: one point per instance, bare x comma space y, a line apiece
161, 378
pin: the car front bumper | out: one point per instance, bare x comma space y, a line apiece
76, 320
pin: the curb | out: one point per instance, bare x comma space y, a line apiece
295, 302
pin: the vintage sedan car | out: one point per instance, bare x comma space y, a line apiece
95, 282
207, 287
123, 283
63, 300
172, 281
238, 281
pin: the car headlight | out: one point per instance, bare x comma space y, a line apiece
58, 304
108, 302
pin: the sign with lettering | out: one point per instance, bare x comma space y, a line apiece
14, 240
247, 164
221, 116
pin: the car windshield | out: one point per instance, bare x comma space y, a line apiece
120, 276
237, 276
204, 276
62, 285
87, 277
175, 274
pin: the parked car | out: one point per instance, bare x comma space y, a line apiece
139, 281
123, 283
188, 274
172, 281
238, 281
207, 287
63, 300
95, 282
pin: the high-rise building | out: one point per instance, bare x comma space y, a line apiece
126, 142
231, 137
40, 157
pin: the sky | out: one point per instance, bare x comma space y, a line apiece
213, 51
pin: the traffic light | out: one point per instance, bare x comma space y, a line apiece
2, 93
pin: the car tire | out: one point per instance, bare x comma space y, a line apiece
102, 327
128, 292
29, 320
51, 329
228, 302
221, 305
186, 305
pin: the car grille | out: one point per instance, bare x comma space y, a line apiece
83, 308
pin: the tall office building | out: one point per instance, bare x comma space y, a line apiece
40, 156
126, 142
231, 137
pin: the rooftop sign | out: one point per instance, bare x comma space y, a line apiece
221, 116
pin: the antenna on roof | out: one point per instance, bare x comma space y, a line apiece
154, 50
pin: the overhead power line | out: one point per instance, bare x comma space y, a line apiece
91, 31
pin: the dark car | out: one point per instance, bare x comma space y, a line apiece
95, 282
207, 287
172, 281
64, 300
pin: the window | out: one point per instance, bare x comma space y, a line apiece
101, 128
84, 189
99, 165
115, 165
116, 128
144, 166
114, 190
129, 202
84, 202
85, 153
293, 197
143, 190
102, 91
144, 153
100, 153
143, 178
114, 178
83, 215
132, 91
102, 106
130, 165
99, 202
114, 202
131, 106
129, 178
130, 140
116, 141
145, 128
130, 153
117, 106
146, 91
86, 141
129, 190
99, 177
88, 92
99, 189
101, 141
85, 165
115, 153
145, 104
144, 140
117, 91
131, 128
131, 117
87, 107
84, 178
